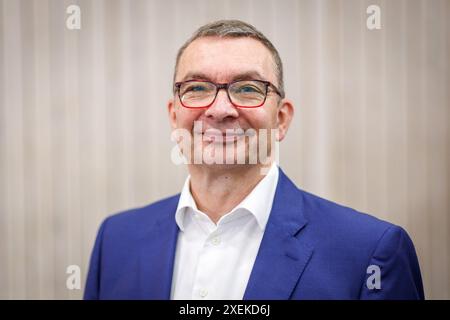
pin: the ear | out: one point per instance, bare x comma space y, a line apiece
285, 113
172, 114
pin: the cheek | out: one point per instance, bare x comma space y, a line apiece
186, 117
259, 118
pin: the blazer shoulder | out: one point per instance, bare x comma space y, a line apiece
137, 218
342, 221
328, 220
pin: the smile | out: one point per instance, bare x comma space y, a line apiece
218, 137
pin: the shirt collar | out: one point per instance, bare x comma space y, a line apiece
258, 202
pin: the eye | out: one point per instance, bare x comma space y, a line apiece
248, 89
195, 88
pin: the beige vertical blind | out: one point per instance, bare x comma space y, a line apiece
84, 130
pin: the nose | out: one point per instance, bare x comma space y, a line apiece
222, 108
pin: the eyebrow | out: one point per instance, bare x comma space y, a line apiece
248, 75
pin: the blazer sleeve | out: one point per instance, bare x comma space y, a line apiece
396, 259
92, 288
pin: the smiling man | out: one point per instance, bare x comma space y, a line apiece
240, 229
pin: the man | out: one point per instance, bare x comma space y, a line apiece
242, 229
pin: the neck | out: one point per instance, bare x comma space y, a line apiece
218, 189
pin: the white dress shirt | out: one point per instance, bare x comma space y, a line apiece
215, 261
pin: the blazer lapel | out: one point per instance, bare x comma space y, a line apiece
283, 253
157, 255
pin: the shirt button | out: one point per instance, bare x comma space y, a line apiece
203, 293
215, 241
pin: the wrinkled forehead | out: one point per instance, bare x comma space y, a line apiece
226, 59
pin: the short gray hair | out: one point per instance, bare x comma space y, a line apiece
235, 29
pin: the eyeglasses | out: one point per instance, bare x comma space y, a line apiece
196, 94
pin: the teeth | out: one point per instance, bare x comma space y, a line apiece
222, 138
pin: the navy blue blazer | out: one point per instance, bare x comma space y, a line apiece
312, 248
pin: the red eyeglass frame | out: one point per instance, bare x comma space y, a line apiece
225, 86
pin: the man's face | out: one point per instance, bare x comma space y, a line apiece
223, 60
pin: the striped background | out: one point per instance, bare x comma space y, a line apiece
84, 130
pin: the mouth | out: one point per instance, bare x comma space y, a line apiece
215, 136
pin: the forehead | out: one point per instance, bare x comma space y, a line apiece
225, 59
